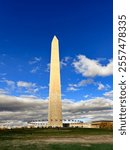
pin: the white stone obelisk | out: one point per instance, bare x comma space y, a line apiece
55, 104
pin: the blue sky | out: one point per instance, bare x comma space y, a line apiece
84, 30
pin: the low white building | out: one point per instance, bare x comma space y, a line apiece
73, 123
12, 124
37, 124
66, 123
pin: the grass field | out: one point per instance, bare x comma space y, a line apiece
56, 139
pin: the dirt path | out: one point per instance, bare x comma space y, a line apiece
80, 139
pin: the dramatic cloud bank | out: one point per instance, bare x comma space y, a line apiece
26, 108
90, 68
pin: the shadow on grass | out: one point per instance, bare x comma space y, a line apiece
32, 133
42, 146
80, 147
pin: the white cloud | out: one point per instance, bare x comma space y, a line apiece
83, 83
10, 83
67, 58
35, 60
109, 94
48, 68
90, 67
101, 86
72, 89
86, 96
29, 87
65, 61
62, 63
36, 64
86, 82
76, 86
21, 87
2, 91
35, 69
25, 84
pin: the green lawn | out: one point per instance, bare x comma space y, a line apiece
31, 133
33, 139
42, 146
80, 147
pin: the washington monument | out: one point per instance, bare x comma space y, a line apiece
55, 104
